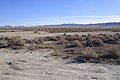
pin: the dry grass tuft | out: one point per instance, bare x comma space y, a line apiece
89, 53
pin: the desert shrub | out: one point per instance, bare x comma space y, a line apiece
109, 52
117, 38
88, 53
33, 47
11, 42
36, 31
69, 38
110, 39
64, 34
61, 37
37, 40
89, 35
16, 43
40, 46
118, 61
117, 34
71, 45
49, 38
3, 43
79, 43
111, 55
65, 37
93, 42
79, 38
2, 31
28, 41
12, 31
73, 38
70, 51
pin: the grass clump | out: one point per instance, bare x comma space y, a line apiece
106, 54
88, 54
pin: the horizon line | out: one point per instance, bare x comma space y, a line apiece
59, 24
62, 20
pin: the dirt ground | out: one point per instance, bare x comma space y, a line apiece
24, 64
40, 65
31, 34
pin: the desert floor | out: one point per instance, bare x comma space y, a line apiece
31, 34
24, 64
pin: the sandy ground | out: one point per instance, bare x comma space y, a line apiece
40, 65
31, 34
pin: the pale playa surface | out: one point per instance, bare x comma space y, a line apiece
31, 34
40, 65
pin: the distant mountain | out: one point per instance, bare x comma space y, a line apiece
110, 24
7, 26
97, 25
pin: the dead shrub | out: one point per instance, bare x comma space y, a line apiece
73, 38
89, 53
109, 52
73, 44
79, 43
40, 46
70, 51
16, 42
118, 61
110, 39
3, 43
61, 38
50, 38
32, 47
93, 42
69, 38
37, 40
106, 56
11, 42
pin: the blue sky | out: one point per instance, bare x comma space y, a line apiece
39, 12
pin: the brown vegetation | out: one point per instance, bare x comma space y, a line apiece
57, 30
86, 48
90, 48
11, 42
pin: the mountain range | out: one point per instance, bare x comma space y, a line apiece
97, 25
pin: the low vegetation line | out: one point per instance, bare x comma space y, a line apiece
101, 48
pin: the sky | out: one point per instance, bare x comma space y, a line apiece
41, 12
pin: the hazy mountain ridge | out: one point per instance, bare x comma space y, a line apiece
101, 25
